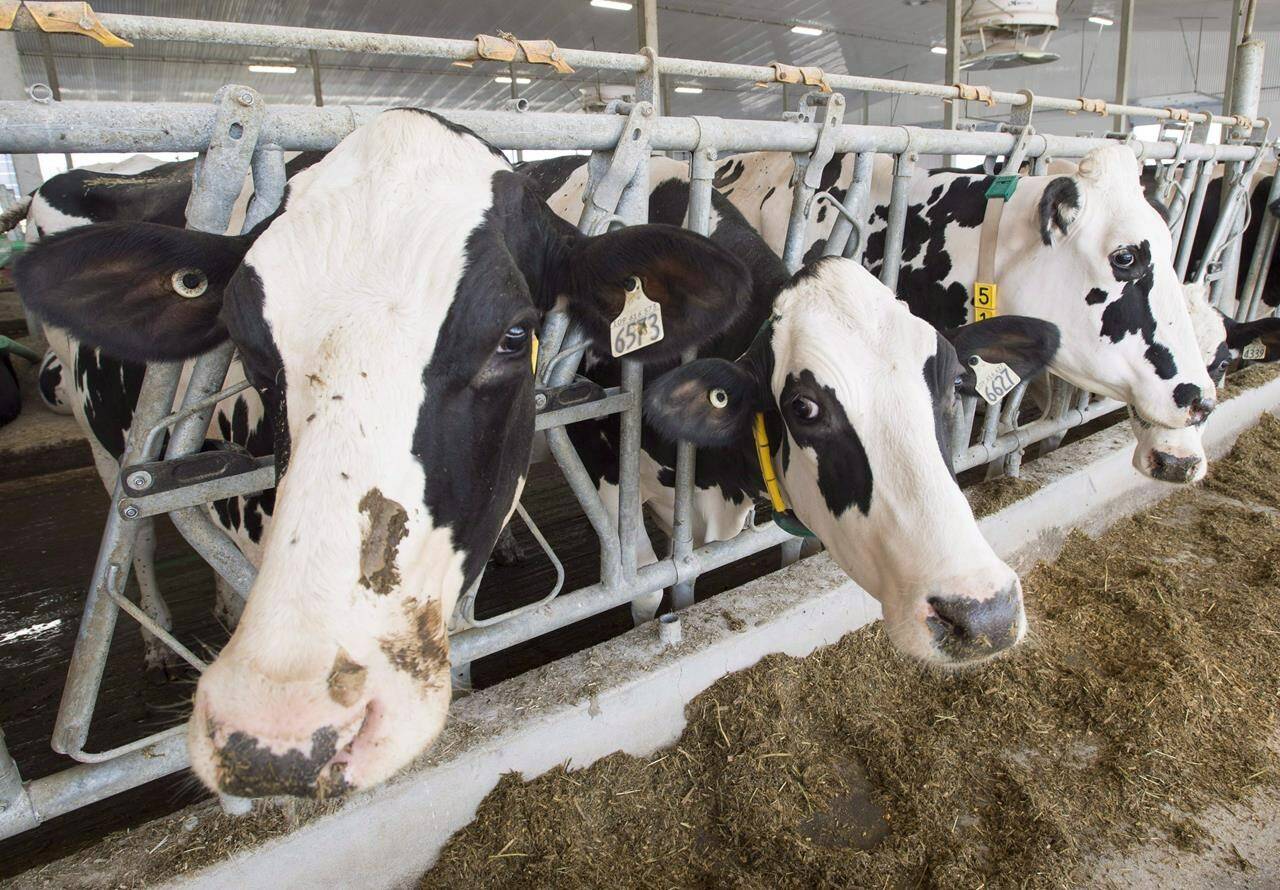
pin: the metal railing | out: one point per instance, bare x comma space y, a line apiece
238, 136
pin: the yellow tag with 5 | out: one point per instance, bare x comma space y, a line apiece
638, 325
985, 300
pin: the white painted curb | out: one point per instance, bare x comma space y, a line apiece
629, 693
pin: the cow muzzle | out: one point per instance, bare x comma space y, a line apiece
1173, 468
965, 629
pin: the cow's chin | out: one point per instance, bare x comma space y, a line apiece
310, 747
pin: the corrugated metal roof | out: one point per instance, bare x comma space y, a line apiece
885, 37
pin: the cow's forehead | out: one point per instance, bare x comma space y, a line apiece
838, 320
374, 241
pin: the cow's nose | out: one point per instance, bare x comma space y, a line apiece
965, 628
249, 767
1168, 468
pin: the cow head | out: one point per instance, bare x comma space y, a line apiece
858, 394
1106, 256
387, 316
1177, 455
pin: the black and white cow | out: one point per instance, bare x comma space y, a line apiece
386, 316
1084, 251
1178, 455
856, 394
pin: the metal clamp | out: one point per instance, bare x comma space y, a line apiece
825, 147
1181, 115
1096, 106
805, 74
606, 184
969, 92
188, 481
506, 47
61, 18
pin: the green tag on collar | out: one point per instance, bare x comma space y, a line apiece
1003, 186
791, 524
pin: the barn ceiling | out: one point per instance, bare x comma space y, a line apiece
1180, 47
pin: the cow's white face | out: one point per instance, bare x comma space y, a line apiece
857, 395
1177, 455
861, 385
1101, 268
386, 316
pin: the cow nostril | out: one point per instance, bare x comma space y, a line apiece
1168, 468
1201, 409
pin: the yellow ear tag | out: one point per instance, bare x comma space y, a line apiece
985, 301
638, 325
1255, 351
993, 381
533, 355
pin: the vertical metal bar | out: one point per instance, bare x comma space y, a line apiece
1263, 250
1180, 204
12, 86
1246, 93
315, 78
1122, 67
1194, 208
51, 75
16, 812
952, 111
701, 172
634, 208
1230, 79
647, 32
903, 166
798, 223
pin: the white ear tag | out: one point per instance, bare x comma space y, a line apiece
993, 381
1255, 351
639, 324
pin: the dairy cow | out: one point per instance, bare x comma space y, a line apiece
1178, 455
1084, 251
852, 396
396, 378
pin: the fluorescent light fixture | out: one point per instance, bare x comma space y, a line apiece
938, 50
1101, 20
693, 91
273, 69
619, 5
502, 78
806, 30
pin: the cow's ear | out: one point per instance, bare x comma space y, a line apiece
1026, 345
1242, 333
140, 291
701, 287
709, 402
1059, 206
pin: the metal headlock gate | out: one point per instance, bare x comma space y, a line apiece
238, 135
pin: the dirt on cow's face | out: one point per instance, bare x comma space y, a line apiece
422, 650
388, 523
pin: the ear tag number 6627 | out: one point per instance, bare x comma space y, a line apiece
993, 381
638, 325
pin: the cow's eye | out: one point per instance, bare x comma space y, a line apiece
805, 409
959, 381
1123, 258
514, 340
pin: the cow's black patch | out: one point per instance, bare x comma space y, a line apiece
110, 388
1095, 296
1131, 312
729, 173
1184, 394
50, 378
157, 195
1061, 198
844, 472
550, 175
10, 395
1248, 241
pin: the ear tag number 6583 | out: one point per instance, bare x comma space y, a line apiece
993, 381
638, 325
